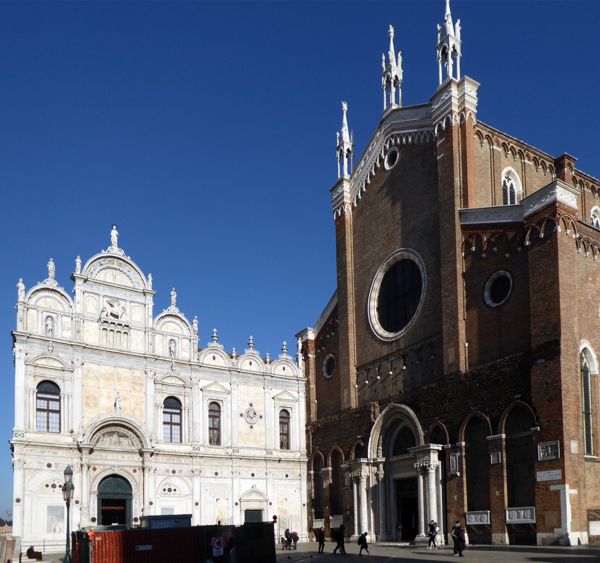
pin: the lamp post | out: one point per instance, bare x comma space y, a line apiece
67, 490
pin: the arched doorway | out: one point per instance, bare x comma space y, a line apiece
114, 501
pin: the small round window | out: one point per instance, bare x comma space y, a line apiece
391, 158
329, 366
397, 294
497, 288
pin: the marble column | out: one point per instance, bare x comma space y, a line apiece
421, 501
381, 508
432, 491
440, 501
355, 506
85, 491
363, 503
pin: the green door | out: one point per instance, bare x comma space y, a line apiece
114, 501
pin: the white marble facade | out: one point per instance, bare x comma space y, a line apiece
113, 363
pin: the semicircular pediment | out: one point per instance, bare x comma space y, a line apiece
116, 270
116, 436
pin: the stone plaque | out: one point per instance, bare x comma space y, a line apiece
454, 464
548, 450
553, 475
520, 515
495, 458
595, 528
478, 518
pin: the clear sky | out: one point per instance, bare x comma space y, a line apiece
206, 131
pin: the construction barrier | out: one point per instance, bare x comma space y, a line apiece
250, 543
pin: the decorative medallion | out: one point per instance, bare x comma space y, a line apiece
251, 415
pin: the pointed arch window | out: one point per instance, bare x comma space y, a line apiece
284, 429
214, 424
172, 420
511, 187
586, 403
595, 218
47, 407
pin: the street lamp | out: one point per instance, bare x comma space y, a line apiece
67, 490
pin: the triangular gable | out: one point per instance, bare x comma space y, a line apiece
214, 387
285, 396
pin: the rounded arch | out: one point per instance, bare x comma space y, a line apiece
317, 455
119, 472
184, 486
331, 452
102, 423
438, 428
507, 411
358, 450
104, 260
59, 292
586, 349
465, 422
393, 412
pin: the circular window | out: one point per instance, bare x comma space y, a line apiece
329, 366
391, 158
497, 288
397, 294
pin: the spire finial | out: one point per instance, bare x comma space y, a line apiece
344, 148
268, 359
149, 280
195, 324
233, 353
251, 343
173, 298
448, 47
391, 75
284, 348
215, 336
448, 13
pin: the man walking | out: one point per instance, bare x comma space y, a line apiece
320, 536
340, 540
362, 541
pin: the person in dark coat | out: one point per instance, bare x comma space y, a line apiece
340, 540
320, 536
362, 541
458, 537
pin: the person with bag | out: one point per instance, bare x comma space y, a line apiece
434, 530
339, 538
458, 538
362, 541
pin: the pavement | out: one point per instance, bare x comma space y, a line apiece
308, 553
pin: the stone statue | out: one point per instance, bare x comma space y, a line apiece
51, 269
78, 265
195, 325
49, 326
114, 237
172, 348
173, 298
117, 403
149, 281
300, 358
21, 290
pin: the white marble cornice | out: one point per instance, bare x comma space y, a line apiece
555, 192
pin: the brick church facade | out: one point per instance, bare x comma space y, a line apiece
454, 375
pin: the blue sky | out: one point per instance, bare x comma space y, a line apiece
206, 131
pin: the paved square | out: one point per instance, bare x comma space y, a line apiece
307, 553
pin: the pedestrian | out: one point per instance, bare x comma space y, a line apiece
320, 536
288, 538
458, 537
340, 540
362, 541
434, 530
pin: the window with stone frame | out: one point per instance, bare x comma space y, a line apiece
284, 430
595, 217
509, 190
214, 424
172, 420
47, 407
586, 403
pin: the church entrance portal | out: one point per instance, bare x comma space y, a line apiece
407, 509
114, 501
